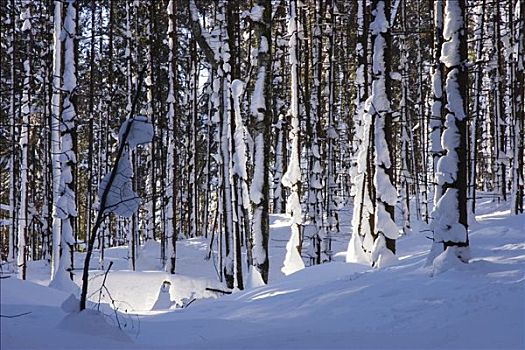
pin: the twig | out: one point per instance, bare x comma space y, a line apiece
103, 284
219, 291
13, 316
114, 306
188, 304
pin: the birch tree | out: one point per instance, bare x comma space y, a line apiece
56, 104
292, 177
23, 220
65, 205
13, 200
171, 181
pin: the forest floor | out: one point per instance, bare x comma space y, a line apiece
337, 305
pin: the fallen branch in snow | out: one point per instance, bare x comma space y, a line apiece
13, 316
189, 303
219, 291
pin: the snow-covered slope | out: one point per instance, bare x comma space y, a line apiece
337, 305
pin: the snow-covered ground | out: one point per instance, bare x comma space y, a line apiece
336, 305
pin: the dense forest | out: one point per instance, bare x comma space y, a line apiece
123, 122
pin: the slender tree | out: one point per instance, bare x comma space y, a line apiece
23, 219
66, 205
56, 107
518, 100
450, 214
171, 180
292, 177
362, 220
261, 111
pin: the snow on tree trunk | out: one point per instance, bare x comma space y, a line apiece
279, 95
150, 158
23, 218
405, 176
223, 102
56, 104
292, 178
261, 112
421, 200
171, 224
514, 102
13, 158
240, 175
192, 140
436, 119
363, 208
378, 107
130, 225
12, 202
314, 229
331, 202
500, 119
65, 205
479, 33
377, 245
519, 122
450, 214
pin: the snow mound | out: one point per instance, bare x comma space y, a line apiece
445, 261
17, 292
93, 323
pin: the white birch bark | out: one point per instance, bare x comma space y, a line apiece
56, 104
292, 178
65, 206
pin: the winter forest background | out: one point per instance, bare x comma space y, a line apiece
203, 148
